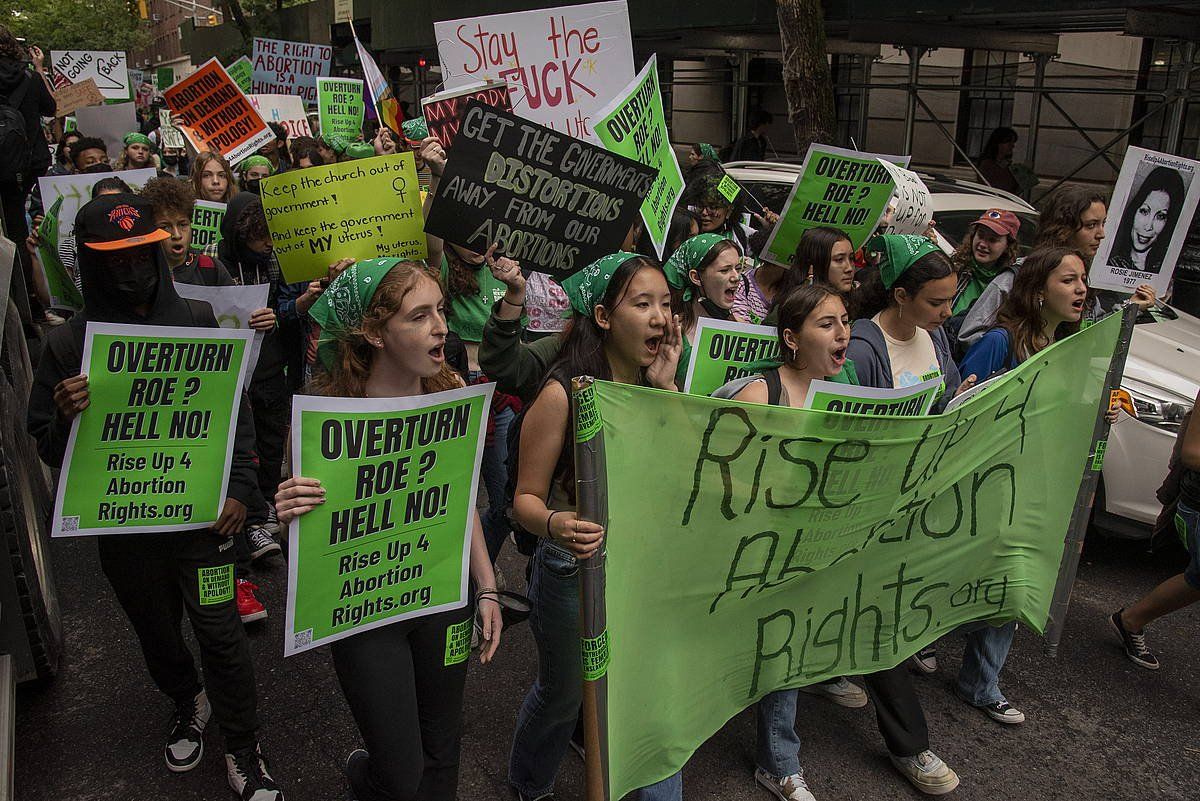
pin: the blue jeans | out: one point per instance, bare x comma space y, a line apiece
494, 472
669, 789
983, 659
778, 748
1187, 525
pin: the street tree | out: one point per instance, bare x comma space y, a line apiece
76, 24
806, 79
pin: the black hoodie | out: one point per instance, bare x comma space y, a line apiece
38, 103
63, 352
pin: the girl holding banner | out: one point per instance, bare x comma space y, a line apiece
212, 179
622, 330
383, 333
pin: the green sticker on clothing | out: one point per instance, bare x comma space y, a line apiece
728, 188
1098, 454
458, 642
932, 374
216, 584
595, 656
587, 416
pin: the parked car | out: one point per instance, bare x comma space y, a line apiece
1162, 373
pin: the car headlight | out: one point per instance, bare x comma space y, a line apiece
1159, 412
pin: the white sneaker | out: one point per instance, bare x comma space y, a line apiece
185, 744
246, 770
841, 691
927, 772
1004, 712
789, 788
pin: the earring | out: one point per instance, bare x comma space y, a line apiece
793, 354
901, 311
1041, 302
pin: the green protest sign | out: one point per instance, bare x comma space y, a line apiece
725, 350
164, 77
728, 188
911, 401
241, 71
63, 292
340, 107
152, 451
846, 189
392, 540
634, 125
206, 224
782, 546
362, 209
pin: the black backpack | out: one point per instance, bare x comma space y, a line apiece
15, 159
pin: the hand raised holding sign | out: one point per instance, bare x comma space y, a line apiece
434, 154
262, 319
383, 142
506, 270
71, 396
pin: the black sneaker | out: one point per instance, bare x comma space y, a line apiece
185, 743
1135, 644
261, 543
248, 776
356, 756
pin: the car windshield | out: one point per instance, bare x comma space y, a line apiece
771, 194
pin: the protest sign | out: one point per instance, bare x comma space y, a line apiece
443, 111
216, 115
340, 107
911, 401
109, 122
207, 216
106, 67
723, 350
821, 545
152, 451
63, 292
1154, 201
240, 72
287, 110
76, 189
634, 125
846, 189
552, 202
343, 11
361, 209
163, 77
168, 133
913, 208
233, 306
561, 64
392, 539
75, 96
289, 68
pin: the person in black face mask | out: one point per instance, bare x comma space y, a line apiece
125, 279
251, 172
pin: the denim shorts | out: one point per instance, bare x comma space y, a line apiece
1187, 524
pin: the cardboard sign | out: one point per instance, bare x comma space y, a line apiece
287, 110
106, 67
289, 68
109, 122
562, 64
168, 133
241, 71
343, 11
340, 107
76, 96
217, 116
911, 208
1153, 203
443, 111
552, 202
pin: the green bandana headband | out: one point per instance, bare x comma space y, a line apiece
341, 307
900, 251
709, 152
687, 258
415, 129
255, 161
135, 138
337, 144
360, 150
585, 288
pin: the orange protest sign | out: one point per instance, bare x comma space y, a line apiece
75, 96
216, 115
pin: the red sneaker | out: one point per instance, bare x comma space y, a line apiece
249, 607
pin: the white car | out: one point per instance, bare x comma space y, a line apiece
1162, 373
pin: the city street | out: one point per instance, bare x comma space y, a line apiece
1099, 727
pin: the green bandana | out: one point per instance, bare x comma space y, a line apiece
337, 144
360, 150
135, 138
709, 152
255, 161
686, 258
341, 307
585, 288
415, 129
900, 252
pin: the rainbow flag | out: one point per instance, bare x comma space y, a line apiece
387, 108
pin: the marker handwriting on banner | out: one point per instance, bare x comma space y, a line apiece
283, 67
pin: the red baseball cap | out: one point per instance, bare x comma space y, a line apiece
116, 222
1001, 222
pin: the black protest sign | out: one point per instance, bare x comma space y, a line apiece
444, 112
548, 200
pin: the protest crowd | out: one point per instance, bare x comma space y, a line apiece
463, 252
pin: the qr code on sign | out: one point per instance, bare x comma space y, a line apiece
70, 523
303, 638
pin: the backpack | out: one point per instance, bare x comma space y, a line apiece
15, 159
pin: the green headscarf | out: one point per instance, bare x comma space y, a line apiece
585, 288
337, 144
709, 152
415, 129
360, 150
255, 161
341, 307
687, 257
135, 138
900, 251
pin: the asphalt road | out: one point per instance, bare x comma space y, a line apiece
1099, 727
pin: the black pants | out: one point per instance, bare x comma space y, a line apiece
898, 709
408, 706
272, 413
16, 229
155, 590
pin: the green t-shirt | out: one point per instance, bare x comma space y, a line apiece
466, 314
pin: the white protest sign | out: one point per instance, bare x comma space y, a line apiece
287, 110
910, 401
76, 190
171, 136
562, 64
109, 122
912, 209
106, 67
289, 68
232, 306
1152, 205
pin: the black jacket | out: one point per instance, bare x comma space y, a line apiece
38, 103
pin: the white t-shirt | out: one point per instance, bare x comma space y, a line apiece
913, 359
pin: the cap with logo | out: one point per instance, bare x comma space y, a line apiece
1000, 221
117, 222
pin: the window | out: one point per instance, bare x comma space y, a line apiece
848, 102
982, 111
1162, 62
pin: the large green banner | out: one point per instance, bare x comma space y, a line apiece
782, 546
726, 350
392, 540
340, 107
634, 125
153, 449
